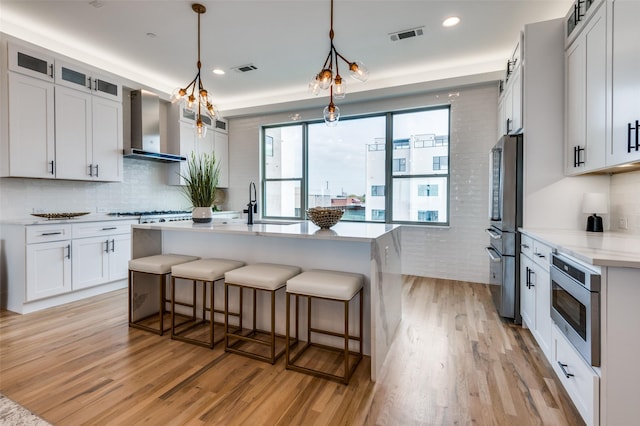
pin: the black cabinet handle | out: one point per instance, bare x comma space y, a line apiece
577, 162
97, 170
113, 245
564, 371
53, 170
68, 251
51, 70
44, 234
106, 250
111, 228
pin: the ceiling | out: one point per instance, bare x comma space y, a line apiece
155, 42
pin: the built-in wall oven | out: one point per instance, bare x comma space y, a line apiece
575, 305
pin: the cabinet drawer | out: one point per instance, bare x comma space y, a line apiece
45, 233
541, 254
526, 245
96, 229
582, 383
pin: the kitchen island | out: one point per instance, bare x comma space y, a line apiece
370, 249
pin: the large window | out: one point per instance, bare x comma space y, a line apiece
375, 173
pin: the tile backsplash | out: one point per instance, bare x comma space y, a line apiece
624, 202
143, 188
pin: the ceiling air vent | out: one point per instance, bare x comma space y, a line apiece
401, 35
245, 68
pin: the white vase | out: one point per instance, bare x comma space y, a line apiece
202, 214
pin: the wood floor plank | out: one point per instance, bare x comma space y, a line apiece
454, 361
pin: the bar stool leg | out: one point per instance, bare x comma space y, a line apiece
173, 306
162, 303
273, 327
346, 342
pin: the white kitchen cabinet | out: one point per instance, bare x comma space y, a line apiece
88, 136
98, 260
31, 150
87, 79
48, 262
527, 293
31, 61
535, 290
624, 145
221, 149
586, 97
510, 104
577, 377
51, 264
182, 138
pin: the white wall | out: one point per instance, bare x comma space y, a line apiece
456, 252
624, 202
143, 188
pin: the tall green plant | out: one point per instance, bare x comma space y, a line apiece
201, 179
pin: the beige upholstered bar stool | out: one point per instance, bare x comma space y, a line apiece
207, 271
333, 286
160, 266
264, 277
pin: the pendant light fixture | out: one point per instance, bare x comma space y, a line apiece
194, 96
325, 79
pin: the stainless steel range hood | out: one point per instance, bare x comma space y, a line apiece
145, 129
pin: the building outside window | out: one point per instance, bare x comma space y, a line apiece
377, 214
441, 162
428, 215
427, 190
375, 174
399, 164
377, 190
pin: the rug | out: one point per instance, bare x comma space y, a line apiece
13, 414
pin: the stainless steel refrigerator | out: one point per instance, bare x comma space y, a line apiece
505, 215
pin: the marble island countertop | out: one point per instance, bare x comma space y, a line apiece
615, 249
349, 231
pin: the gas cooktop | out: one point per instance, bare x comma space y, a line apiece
151, 213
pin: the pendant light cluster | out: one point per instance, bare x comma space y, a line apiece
194, 96
326, 79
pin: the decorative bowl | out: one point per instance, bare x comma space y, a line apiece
325, 217
59, 216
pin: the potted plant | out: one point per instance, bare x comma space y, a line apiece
201, 180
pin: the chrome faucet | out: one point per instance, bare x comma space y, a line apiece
252, 207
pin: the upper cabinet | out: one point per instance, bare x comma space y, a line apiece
182, 138
602, 59
625, 142
65, 120
31, 128
586, 96
87, 79
31, 62
510, 101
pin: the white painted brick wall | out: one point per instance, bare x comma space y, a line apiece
143, 188
454, 253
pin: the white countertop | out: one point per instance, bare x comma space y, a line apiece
597, 248
92, 217
347, 231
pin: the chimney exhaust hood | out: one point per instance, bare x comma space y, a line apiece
145, 129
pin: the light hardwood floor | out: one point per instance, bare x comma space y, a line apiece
454, 361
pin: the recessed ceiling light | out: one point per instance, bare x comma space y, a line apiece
96, 3
451, 21
218, 71
151, 35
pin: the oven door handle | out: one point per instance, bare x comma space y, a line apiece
493, 254
493, 234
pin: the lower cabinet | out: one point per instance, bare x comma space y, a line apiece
99, 260
535, 291
578, 378
50, 264
48, 269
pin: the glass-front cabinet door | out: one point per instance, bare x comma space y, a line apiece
30, 62
87, 79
